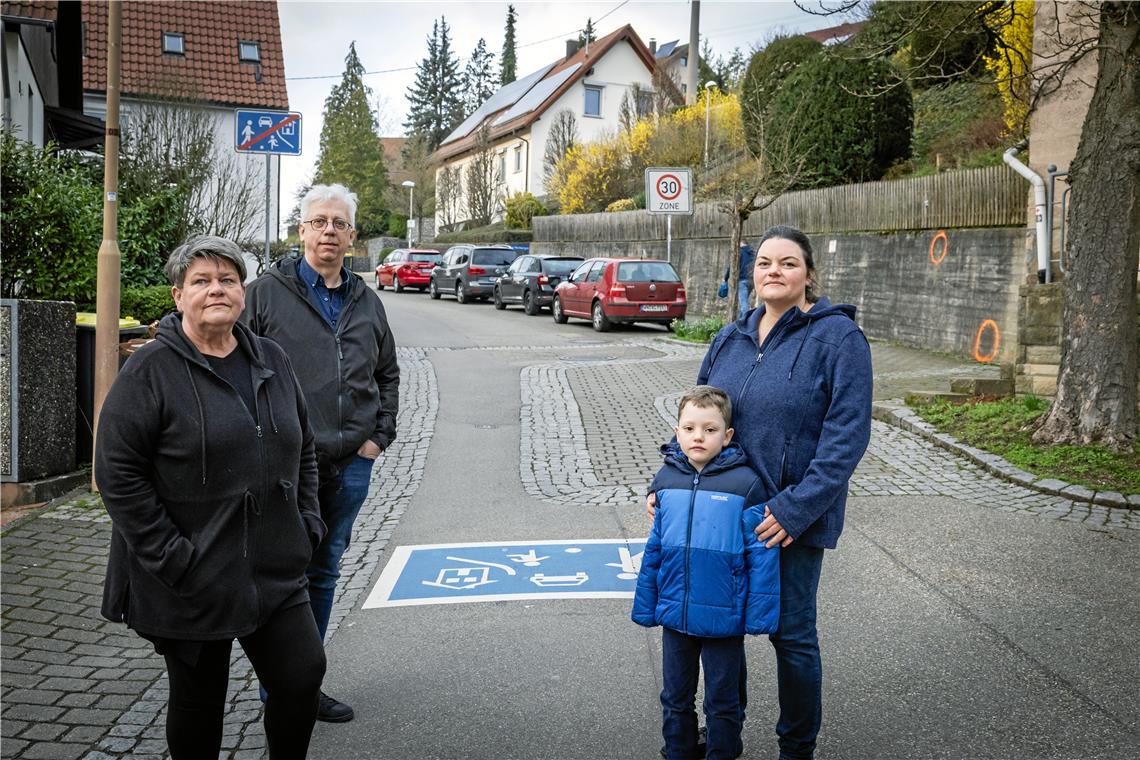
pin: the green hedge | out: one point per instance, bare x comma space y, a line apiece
492, 233
146, 304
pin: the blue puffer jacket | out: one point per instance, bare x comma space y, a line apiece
703, 572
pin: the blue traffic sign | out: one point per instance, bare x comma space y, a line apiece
274, 132
499, 571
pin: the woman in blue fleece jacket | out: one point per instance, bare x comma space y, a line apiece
798, 372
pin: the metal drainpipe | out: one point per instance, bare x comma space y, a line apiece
526, 166
1043, 241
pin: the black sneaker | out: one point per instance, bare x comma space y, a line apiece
330, 710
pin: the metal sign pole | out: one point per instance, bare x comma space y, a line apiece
268, 221
669, 238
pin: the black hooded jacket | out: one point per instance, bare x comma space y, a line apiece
350, 377
214, 509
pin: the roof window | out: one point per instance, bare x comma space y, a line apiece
174, 43
249, 52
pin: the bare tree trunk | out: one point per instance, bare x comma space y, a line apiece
1096, 388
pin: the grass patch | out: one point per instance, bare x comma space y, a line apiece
700, 331
1002, 427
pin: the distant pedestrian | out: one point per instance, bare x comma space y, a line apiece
744, 282
335, 330
705, 577
207, 467
798, 371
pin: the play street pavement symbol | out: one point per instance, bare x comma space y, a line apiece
508, 570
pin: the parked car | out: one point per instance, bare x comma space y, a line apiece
608, 291
407, 268
470, 271
531, 281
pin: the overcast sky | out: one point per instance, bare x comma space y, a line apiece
391, 38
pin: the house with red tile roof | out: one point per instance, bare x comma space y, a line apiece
42, 72
590, 83
211, 57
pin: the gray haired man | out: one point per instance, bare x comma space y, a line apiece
335, 331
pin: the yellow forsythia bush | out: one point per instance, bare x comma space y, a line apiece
1011, 64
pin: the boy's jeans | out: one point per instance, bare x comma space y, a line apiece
682, 656
799, 671
341, 498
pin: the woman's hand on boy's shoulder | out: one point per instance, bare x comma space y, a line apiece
651, 506
769, 530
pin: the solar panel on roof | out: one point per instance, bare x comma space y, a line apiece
667, 49
538, 94
503, 97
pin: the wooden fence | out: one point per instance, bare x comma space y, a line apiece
994, 196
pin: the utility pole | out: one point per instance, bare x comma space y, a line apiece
107, 282
694, 51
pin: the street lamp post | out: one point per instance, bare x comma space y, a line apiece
411, 191
708, 85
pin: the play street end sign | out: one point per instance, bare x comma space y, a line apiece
274, 132
668, 191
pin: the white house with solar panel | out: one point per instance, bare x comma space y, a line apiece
591, 83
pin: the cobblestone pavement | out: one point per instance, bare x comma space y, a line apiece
592, 416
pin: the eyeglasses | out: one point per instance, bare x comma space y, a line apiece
320, 222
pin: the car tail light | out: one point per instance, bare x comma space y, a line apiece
476, 270
680, 292
617, 290
543, 280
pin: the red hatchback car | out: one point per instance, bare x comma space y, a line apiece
406, 268
608, 291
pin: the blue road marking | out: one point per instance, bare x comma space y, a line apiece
508, 570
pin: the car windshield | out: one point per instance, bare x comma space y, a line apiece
560, 266
493, 257
431, 258
646, 271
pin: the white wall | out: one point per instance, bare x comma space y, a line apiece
224, 141
23, 104
615, 73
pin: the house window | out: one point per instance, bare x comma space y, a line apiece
173, 43
502, 167
684, 62
518, 159
249, 52
593, 101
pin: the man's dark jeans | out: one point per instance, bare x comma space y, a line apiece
341, 497
682, 658
799, 671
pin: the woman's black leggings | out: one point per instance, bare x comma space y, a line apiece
289, 660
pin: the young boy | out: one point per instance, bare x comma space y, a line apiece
704, 576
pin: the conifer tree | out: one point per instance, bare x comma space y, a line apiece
350, 151
508, 58
479, 80
435, 100
589, 34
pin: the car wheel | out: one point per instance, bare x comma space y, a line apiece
600, 320
433, 289
529, 306
499, 300
397, 285
379, 283
461, 292
556, 311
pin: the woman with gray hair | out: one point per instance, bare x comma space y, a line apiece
206, 463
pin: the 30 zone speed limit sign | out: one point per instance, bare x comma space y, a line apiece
668, 191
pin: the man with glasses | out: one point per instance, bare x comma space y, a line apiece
335, 332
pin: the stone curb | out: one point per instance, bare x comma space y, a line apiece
900, 415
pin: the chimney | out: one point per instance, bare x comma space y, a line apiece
571, 47
653, 45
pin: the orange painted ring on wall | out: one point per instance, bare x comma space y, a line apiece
988, 324
940, 235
